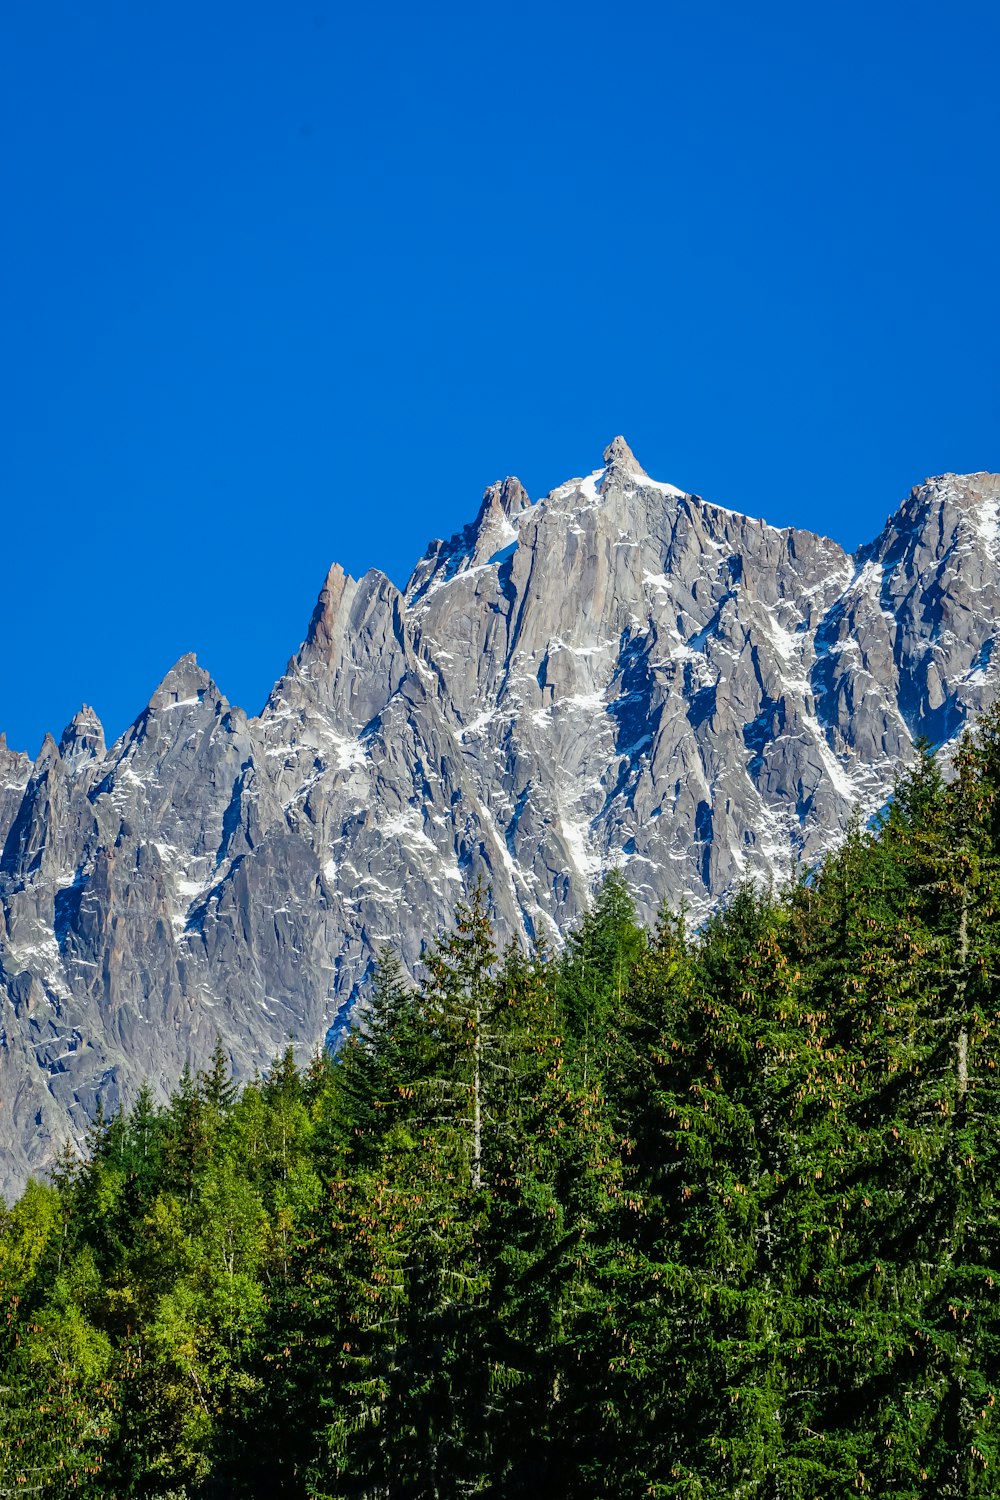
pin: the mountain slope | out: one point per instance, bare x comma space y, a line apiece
618, 674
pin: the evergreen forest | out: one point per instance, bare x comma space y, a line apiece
706, 1214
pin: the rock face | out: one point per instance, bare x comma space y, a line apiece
620, 674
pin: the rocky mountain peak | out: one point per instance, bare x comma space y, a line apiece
953, 517
618, 457
966, 492
507, 498
323, 625
353, 658
47, 757
978, 495
184, 685
619, 676
983, 484
345, 607
83, 737
494, 530
15, 768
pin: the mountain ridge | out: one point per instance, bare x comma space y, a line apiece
619, 674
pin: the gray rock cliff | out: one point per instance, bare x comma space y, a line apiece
620, 674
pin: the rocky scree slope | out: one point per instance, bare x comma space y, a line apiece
619, 674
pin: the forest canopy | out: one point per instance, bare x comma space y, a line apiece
660, 1213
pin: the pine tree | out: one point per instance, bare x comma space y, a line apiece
932, 1248
593, 974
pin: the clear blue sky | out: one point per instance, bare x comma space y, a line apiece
289, 283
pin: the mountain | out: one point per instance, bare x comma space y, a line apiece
618, 674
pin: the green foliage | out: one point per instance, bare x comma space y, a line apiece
690, 1215
593, 972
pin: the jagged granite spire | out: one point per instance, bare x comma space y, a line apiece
324, 623
507, 498
83, 737
185, 684
618, 456
494, 529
